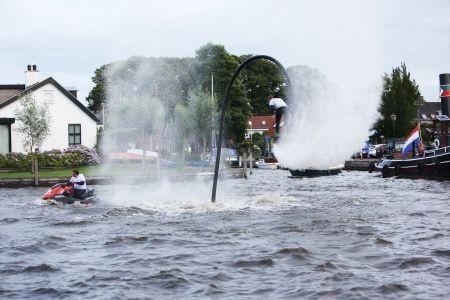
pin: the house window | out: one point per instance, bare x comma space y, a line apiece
263, 122
48, 96
74, 134
5, 139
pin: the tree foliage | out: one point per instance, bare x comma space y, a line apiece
399, 95
195, 120
97, 95
262, 78
34, 122
177, 81
214, 60
202, 116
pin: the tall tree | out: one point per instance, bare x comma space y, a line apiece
166, 78
202, 116
97, 95
261, 79
399, 95
214, 60
34, 122
183, 126
140, 118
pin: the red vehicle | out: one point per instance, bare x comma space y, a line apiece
64, 193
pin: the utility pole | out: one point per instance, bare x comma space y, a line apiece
213, 132
251, 146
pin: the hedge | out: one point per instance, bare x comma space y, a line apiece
75, 156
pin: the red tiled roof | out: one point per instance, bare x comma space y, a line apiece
263, 123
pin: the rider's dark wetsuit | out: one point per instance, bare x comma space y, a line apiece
279, 107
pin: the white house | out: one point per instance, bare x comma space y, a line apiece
71, 122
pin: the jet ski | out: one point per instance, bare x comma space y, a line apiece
63, 193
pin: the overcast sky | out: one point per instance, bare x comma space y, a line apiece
70, 39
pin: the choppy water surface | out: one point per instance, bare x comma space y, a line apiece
350, 236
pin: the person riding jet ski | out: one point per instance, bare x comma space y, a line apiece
79, 184
70, 192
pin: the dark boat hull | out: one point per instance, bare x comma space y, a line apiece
315, 173
436, 166
87, 198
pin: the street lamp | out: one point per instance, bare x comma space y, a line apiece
393, 118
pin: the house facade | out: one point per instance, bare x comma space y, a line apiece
264, 125
71, 122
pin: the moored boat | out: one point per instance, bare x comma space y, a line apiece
269, 163
316, 172
435, 164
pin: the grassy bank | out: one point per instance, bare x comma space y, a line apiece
99, 171
59, 173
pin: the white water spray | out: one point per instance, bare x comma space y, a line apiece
334, 109
329, 123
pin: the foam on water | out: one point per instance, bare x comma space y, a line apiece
179, 197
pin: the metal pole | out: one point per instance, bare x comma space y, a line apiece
224, 106
393, 129
36, 168
251, 146
213, 132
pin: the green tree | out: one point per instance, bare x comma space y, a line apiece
173, 79
214, 60
166, 78
258, 141
34, 122
183, 126
97, 95
399, 94
202, 116
262, 78
142, 117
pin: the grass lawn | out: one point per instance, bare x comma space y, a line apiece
98, 170
60, 173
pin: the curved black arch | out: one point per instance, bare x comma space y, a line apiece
225, 105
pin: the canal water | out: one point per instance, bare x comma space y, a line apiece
355, 235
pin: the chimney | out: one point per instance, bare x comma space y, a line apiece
31, 75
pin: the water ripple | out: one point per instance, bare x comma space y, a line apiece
353, 236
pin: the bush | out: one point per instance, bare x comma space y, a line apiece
87, 155
71, 157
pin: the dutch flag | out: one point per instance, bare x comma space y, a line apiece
413, 138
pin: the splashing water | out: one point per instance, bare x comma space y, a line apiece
327, 123
170, 197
